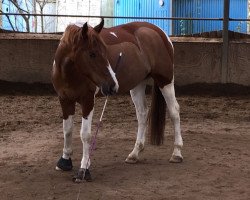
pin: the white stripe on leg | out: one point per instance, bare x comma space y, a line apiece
86, 137
173, 107
67, 132
139, 100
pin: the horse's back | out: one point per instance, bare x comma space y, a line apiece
149, 43
127, 33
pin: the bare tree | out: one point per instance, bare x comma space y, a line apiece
21, 10
42, 4
27, 7
8, 18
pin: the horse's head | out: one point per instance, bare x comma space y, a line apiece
89, 55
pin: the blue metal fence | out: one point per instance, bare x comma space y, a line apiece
144, 8
196, 9
238, 9
183, 8
162, 9
207, 9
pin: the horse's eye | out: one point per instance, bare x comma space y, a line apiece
92, 55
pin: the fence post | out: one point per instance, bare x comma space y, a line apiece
225, 46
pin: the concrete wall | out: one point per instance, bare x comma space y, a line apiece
198, 60
29, 58
26, 60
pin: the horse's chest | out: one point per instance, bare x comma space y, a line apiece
68, 93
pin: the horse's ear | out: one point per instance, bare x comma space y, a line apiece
84, 30
99, 27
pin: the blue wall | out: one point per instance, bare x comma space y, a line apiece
182, 8
238, 9
143, 8
207, 9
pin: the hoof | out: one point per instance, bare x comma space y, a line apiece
131, 160
82, 174
176, 159
64, 164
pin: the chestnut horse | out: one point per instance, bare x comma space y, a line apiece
88, 59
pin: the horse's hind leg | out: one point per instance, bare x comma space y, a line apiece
139, 99
173, 107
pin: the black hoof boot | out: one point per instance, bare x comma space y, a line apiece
82, 174
64, 164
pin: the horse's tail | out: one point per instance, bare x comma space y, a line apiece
157, 117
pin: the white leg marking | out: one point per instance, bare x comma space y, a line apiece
173, 107
67, 132
112, 33
112, 73
86, 137
139, 99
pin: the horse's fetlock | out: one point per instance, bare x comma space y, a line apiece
178, 145
139, 146
67, 151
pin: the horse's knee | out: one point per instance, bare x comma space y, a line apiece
177, 106
86, 129
174, 114
67, 134
68, 126
85, 137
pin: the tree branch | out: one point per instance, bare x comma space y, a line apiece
8, 18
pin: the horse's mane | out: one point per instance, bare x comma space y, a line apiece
71, 35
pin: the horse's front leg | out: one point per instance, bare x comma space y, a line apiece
68, 109
139, 100
85, 134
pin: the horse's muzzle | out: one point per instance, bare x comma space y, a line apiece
107, 89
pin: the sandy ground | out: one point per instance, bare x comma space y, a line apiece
216, 133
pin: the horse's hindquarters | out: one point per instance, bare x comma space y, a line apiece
156, 47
